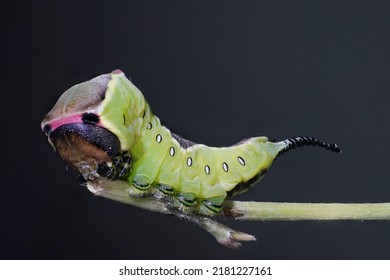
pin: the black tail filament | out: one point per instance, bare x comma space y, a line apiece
301, 141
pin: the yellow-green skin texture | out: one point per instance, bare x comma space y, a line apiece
197, 178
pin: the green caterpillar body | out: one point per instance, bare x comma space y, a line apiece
104, 127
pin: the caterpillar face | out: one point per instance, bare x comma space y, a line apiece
74, 129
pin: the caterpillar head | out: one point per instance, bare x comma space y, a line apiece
86, 126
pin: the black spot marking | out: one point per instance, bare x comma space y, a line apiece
149, 127
90, 118
124, 119
47, 129
143, 115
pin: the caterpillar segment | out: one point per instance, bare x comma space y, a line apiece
105, 128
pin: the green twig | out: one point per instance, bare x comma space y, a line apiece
257, 211
284, 211
118, 190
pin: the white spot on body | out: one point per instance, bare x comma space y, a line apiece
158, 138
172, 151
189, 161
149, 127
207, 169
241, 161
225, 167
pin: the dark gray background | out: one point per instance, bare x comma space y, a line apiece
214, 72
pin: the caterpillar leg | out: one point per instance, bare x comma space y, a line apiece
211, 206
188, 202
137, 190
118, 190
185, 202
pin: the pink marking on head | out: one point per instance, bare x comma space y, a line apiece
65, 120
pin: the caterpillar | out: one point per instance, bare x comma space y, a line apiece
105, 128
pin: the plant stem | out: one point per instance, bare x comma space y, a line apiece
118, 191
284, 211
243, 210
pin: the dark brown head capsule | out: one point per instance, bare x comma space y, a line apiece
72, 127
